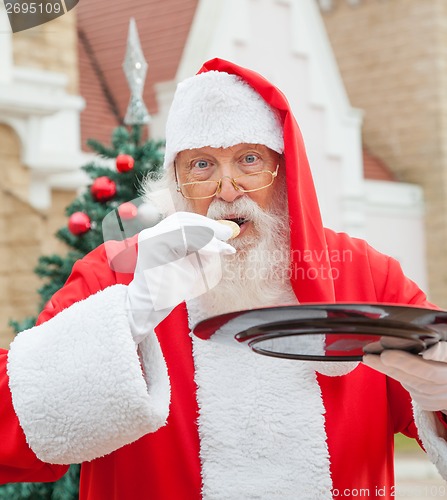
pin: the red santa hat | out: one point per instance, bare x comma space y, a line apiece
220, 110
310, 271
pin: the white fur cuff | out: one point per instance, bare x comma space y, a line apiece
435, 446
77, 385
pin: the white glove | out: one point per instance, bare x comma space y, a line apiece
423, 376
178, 259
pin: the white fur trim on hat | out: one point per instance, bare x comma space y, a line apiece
219, 110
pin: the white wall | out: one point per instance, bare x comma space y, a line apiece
395, 225
47, 120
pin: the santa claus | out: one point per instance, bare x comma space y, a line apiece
112, 377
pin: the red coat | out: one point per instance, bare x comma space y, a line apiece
166, 464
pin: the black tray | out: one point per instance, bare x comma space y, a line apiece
327, 332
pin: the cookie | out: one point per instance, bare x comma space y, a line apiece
234, 227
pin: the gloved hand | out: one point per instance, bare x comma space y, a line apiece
424, 376
178, 259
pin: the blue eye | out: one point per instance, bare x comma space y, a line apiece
201, 164
250, 158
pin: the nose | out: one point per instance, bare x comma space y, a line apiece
228, 191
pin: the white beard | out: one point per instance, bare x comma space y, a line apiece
258, 274
239, 290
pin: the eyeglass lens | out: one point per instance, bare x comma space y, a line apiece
247, 182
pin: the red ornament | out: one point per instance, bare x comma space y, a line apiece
79, 223
127, 211
103, 188
124, 163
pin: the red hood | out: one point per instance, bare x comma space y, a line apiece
310, 265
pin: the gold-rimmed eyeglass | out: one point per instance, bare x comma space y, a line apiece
247, 183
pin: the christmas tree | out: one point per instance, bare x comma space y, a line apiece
116, 189
111, 189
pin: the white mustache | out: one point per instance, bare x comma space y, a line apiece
244, 208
